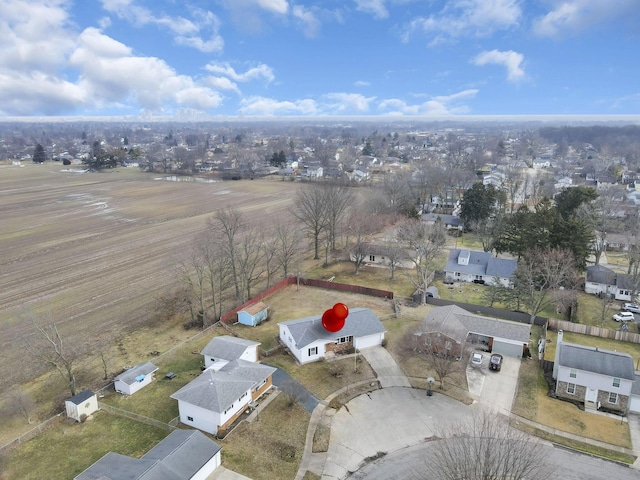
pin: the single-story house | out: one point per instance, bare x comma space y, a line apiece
462, 327
308, 341
183, 454
595, 377
450, 222
81, 405
135, 378
602, 280
480, 267
224, 349
381, 255
214, 400
253, 315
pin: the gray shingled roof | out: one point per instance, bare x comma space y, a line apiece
596, 360
480, 263
180, 455
359, 323
81, 397
635, 387
452, 320
129, 377
216, 391
227, 347
601, 274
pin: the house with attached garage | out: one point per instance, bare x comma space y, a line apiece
601, 280
479, 267
215, 399
308, 341
224, 349
135, 378
462, 329
596, 378
183, 454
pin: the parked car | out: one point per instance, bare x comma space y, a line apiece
631, 307
476, 359
624, 317
495, 363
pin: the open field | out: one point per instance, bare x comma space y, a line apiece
92, 252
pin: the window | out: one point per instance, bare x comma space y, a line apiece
571, 388
372, 258
344, 339
243, 395
190, 419
458, 274
447, 345
573, 373
616, 382
230, 407
613, 398
313, 351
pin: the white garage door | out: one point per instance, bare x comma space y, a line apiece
634, 403
505, 348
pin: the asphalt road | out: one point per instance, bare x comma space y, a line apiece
408, 463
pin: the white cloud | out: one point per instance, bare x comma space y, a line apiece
349, 102
439, 105
375, 7
187, 32
571, 16
262, 106
255, 73
275, 6
222, 83
467, 18
509, 59
361, 83
307, 19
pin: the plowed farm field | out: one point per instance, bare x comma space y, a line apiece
92, 252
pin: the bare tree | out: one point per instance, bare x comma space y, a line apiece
48, 346
426, 241
486, 447
20, 402
193, 273
226, 227
287, 243
600, 216
339, 197
311, 210
250, 260
217, 272
362, 225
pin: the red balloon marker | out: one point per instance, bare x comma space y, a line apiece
340, 310
330, 322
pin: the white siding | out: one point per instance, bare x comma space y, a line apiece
634, 404
122, 387
208, 468
203, 419
87, 407
595, 380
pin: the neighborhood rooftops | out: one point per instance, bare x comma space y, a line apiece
480, 263
596, 360
180, 455
132, 375
227, 347
216, 391
359, 323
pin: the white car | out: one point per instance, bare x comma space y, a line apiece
624, 317
476, 359
631, 307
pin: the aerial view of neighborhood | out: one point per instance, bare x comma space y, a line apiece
319, 240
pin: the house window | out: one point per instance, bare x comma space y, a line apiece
447, 345
313, 351
613, 398
571, 388
616, 382
190, 419
344, 339
478, 277
372, 258
458, 274
573, 373
230, 407
242, 396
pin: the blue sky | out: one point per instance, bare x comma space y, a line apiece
319, 57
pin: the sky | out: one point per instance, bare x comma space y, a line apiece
281, 58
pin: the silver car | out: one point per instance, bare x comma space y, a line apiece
631, 307
476, 359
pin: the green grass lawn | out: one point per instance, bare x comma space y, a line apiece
64, 450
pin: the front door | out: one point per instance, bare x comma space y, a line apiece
591, 395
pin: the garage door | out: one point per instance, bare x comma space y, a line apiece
634, 403
506, 348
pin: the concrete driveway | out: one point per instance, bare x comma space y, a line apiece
495, 390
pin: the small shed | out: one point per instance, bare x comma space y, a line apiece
133, 379
81, 404
253, 315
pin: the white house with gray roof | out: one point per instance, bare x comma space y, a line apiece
593, 376
133, 379
491, 334
481, 267
214, 400
183, 454
308, 341
225, 348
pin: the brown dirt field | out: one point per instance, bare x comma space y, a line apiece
92, 252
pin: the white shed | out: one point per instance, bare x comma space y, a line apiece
81, 405
132, 380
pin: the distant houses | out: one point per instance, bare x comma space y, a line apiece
479, 267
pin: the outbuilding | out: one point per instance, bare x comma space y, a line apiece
81, 405
253, 315
133, 379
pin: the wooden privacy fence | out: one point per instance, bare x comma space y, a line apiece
556, 325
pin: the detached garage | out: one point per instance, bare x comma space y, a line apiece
132, 380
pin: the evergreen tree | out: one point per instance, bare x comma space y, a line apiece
39, 155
